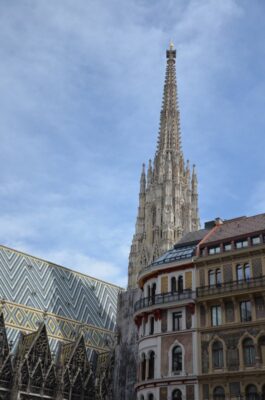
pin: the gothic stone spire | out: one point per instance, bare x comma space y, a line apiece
168, 201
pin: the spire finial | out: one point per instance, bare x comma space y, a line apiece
171, 45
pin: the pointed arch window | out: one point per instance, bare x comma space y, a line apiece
176, 395
249, 352
217, 354
176, 359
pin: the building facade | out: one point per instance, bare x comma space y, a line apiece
201, 316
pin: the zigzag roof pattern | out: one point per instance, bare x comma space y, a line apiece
33, 289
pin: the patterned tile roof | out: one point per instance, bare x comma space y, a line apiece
33, 290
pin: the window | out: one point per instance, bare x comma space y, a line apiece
214, 250
176, 321
151, 396
243, 272
242, 243
255, 240
153, 294
219, 393
176, 359
249, 352
251, 393
245, 311
151, 370
142, 397
218, 277
227, 246
216, 315
180, 284
176, 395
239, 272
246, 272
217, 353
173, 284
261, 349
144, 325
152, 326
211, 276
215, 277
143, 367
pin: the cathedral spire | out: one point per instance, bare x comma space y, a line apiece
169, 138
168, 199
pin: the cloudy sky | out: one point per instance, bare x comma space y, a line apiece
80, 94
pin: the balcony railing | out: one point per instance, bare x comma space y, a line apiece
226, 287
164, 298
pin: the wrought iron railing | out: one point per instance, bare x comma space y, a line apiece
164, 298
226, 287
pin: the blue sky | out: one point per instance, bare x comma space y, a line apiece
80, 94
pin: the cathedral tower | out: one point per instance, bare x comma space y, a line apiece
168, 198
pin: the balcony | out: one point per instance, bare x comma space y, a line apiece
164, 298
228, 287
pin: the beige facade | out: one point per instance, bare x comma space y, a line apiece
206, 298
231, 317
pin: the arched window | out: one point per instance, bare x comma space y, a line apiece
151, 369
211, 278
263, 393
239, 272
151, 396
142, 397
243, 272
149, 292
219, 393
176, 359
218, 277
249, 352
217, 352
143, 367
246, 272
180, 284
251, 392
262, 350
176, 395
173, 285
153, 293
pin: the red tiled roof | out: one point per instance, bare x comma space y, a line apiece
237, 227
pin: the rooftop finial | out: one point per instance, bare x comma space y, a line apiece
171, 45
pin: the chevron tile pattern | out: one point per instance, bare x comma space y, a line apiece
33, 290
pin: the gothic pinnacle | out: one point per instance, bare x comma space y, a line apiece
149, 173
143, 180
